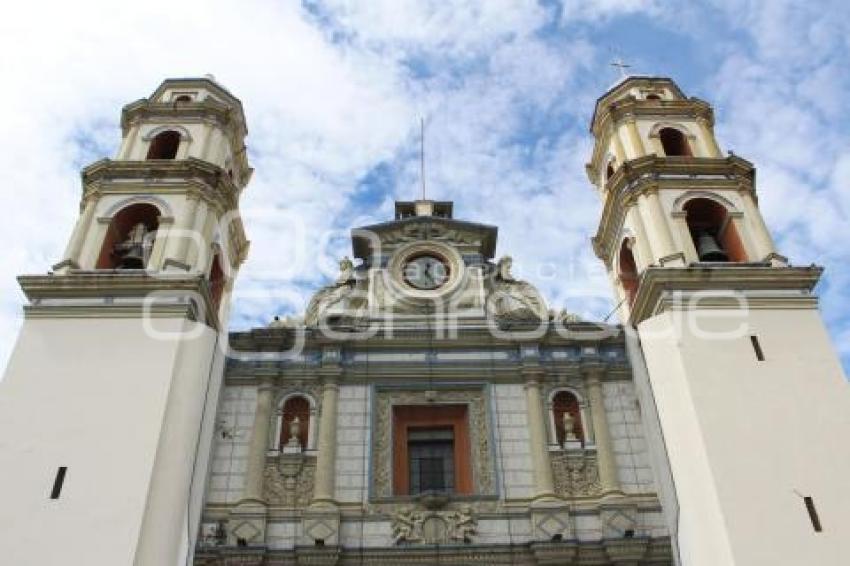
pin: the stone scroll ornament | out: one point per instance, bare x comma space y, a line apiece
332, 299
512, 298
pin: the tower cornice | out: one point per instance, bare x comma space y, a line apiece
101, 293
209, 180
724, 286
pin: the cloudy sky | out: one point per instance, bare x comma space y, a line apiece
334, 91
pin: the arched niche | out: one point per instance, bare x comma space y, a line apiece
129, 238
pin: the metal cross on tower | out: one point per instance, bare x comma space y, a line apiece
621, 66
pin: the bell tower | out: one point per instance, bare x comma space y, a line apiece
743, 395
108, 403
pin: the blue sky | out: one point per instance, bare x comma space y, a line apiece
334, 90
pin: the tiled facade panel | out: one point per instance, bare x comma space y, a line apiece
352, 448
230, 449
510, 426
627, 437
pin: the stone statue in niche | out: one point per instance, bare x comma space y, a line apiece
294, 434
569, 428
331, 299
134, 251
513, 298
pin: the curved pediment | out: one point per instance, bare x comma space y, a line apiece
382, 240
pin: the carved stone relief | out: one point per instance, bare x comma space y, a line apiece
479, 435
434, 527
288, 480
575, 473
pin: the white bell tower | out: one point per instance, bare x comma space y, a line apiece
746, 403
108, 404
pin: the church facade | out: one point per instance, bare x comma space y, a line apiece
428, 407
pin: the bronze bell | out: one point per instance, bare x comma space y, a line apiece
708, 249
131, 252
132, 259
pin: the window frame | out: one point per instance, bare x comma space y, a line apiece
454, 416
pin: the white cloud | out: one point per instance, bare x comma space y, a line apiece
336, 88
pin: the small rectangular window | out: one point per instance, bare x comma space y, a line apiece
57, 483
431, 453
757, 348
813, 514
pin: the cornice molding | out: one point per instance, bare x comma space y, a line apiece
761, 286
210, 180
113, 293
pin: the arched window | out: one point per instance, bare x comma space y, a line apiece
296, 407
568, 428
609, 170
129, 238
216, 281
714, 235
164, 145
653, 97
183, 98
674, 143
627, 269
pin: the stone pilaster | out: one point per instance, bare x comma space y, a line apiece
181, 236
658, 229
606, 461
634, 138
544, 484
247, 521
71, 258
326, 457
321, 519
708, 137
761, 238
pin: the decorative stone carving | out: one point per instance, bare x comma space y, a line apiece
288, 480
479, 435
434, 527
563, 316
332, 300
286, 322
575, 473
512, 298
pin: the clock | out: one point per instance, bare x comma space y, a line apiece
426, 272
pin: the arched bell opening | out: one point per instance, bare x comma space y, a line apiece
566, 414
129, 238
295, 426
674, 142
164, 145
714, 234
628, 272
216, 281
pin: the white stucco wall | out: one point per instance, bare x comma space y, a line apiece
97, 396
747, 439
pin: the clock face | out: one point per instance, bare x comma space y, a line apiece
426, 272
